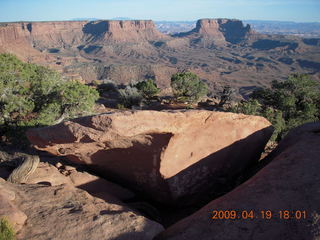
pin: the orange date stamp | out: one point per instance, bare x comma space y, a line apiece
262, 214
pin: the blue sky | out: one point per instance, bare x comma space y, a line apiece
43, 10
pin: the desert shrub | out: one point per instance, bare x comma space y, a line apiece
187, 86
147, 88
135, 94
226, 95
6, 231
32, 95
286, 104
250, 107
120, 106
130, 96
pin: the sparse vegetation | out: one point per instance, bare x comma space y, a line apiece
188, 87
136, 93
130, 96
286, 104
31, 95
6, 231
147, 88
226, 95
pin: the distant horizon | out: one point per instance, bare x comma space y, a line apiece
114, 19
300, 11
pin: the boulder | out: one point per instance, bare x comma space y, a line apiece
288, 187
65, 212
172, 156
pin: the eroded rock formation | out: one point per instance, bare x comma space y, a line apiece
221, 51
288, 187
123, 31
64, 212
170, 156
220, 31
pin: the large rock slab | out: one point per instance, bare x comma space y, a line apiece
291, 182
170, 155
65, 212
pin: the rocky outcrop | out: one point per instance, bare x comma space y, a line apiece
170, 156
221, 31
65, 43
41, 34
288, 187
52, 176
44, 35
33, 41
123, 31
64, 212
8, 209
51, 171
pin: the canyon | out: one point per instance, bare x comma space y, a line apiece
145, 174
221, 51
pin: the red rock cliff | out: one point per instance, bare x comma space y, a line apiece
74, 33
41, 33
123, 31
221, 30
33, 40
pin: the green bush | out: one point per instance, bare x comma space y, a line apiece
286, 104
136, 93
187, 86
6, 231
32, 95
147, 88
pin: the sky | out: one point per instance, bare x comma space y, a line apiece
170, 10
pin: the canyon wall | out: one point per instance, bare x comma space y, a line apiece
220, 51
221, 31
74, 33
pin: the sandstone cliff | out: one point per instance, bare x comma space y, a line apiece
220, 31
65, 43
123, 31
44, 35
